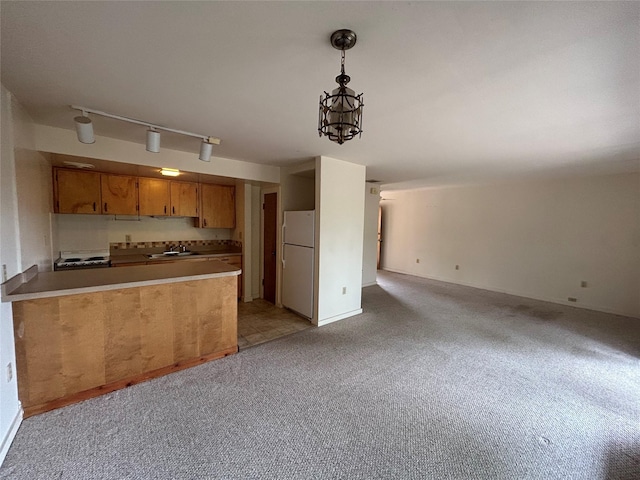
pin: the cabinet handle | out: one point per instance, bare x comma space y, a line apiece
204, 221
165, 209
105, 206
173, 210
94, 206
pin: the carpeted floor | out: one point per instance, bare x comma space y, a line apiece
434, 381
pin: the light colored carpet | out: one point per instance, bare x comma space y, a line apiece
434, 381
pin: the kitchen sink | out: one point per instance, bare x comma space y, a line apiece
171, 254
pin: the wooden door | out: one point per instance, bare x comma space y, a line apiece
218, 206
154, 196
270, 207
119, 195
76, 191
184, 199
379, 257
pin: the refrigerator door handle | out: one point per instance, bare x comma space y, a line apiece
282, 246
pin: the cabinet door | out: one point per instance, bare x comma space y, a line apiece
218, 206
119, 195
154, 196
184, 199
76, 191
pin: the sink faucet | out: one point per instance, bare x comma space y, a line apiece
182, 248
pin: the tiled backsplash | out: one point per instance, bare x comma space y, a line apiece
166, 243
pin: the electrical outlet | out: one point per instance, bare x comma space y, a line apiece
583, 284
9, 372
417, 260
4, 273
127, 238
344, 290
457, 267
572, 299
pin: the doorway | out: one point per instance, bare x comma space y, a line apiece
379, 258
270, 208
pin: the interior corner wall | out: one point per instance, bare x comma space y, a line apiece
297, 187
370, 240
10, 258
539, 239
34, 189
339, 234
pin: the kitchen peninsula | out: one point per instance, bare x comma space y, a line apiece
84, 333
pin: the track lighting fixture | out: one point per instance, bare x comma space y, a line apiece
205, 151
153, 141
84, 129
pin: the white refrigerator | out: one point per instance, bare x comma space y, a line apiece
298, 259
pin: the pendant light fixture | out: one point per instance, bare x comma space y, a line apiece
340, 115
84, 129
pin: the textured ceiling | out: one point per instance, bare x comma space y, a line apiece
454, 91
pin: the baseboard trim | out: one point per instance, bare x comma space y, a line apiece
8, 438
558, 301
370, 284
342, 316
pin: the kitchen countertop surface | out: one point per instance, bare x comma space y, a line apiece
136, 255
55, 284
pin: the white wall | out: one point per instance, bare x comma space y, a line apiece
94, 232
35, 193
370, 242
537, 239
10, 258
298, 187
339, 236
59, 140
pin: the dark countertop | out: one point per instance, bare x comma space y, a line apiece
139, 255
55, 284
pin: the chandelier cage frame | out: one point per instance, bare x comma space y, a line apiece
340, 112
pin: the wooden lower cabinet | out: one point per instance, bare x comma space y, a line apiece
75, 347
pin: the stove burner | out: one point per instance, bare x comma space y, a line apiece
94, 259
73, 260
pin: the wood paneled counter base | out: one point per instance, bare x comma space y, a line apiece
73, 347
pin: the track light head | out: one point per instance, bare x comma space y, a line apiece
205, 151
84, 129
153, 141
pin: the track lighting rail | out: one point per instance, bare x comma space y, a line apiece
206, 138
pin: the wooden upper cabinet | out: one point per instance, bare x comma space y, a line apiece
184, 199
218, 208
154, 196
76, 191
119, 194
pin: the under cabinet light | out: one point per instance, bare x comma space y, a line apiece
170, 172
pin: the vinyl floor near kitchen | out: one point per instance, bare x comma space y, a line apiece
260, 321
